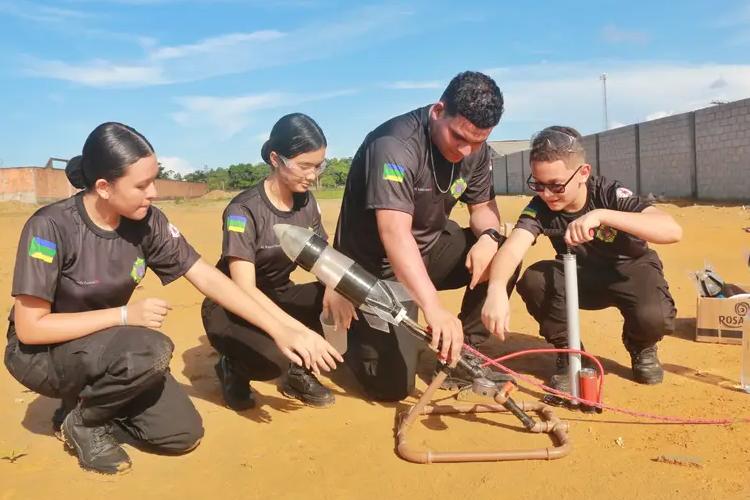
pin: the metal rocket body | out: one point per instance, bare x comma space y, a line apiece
379, 300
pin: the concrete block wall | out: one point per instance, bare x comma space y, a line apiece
515, 172
500, 174
618, 155
590, 146
703, 154
667, 156
722, 149
525, 171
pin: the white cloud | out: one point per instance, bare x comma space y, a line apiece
233, 53
40, 13
176, 164
414, 85
97, 73
214, 45
571, 93
230, 115
612, 34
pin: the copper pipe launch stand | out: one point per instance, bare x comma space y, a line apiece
548, 423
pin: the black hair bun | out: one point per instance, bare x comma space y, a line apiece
74, 172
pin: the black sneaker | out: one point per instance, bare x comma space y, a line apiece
646, 366
234, 388
301, 384
460, 378
96, 448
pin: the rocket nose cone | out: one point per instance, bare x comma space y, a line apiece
292, 239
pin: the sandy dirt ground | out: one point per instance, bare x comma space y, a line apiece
282, 449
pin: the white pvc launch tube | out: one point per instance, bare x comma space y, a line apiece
574, 331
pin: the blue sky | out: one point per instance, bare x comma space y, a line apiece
206, 80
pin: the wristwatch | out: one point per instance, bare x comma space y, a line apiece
494, 234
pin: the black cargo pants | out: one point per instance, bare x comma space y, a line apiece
636, 287
118, 374
252, 352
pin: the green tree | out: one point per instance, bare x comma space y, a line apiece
335, 174
244, 175
218, 178
197, 176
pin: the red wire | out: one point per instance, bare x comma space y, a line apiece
598, 404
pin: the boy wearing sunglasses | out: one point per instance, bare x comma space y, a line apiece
608, 228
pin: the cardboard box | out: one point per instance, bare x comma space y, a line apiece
722, 321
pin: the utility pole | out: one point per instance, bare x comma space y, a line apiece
603, 78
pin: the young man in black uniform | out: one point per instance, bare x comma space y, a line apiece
608, 228
404, 181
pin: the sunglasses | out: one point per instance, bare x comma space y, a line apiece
554, 188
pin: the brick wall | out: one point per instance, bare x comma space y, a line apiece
45, 185
168, 189
51, 184
17, 184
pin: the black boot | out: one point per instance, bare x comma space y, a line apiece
301, 384
460, 378
235, 388
96, 448
647, 368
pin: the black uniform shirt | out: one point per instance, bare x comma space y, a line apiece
248, 234
67, 260
609, 245
392, 170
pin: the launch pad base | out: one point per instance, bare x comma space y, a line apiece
548, 423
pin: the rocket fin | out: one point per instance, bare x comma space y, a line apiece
399, 291
373, 319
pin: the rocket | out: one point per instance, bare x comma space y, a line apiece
381, 301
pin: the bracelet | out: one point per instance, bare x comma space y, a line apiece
124, 315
